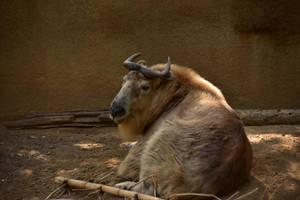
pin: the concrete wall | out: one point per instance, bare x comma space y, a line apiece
66, 55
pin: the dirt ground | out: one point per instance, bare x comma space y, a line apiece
30, 159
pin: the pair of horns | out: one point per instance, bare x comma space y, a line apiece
132, 66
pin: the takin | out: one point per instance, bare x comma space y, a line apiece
189, 140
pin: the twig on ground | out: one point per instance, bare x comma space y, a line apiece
263, 194
272, 194
154, 187
60, 194
247, 194
101, 198
105, 176
54, 191
233, 195
142, 181
193, 194
82, 189
89, 194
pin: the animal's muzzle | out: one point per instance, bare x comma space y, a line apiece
116, 111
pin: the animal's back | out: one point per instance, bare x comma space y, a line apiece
198, 148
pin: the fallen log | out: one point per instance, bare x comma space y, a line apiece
256, 117
107, 189
38, 120
100, 118
76, 113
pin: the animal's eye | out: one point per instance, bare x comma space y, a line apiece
145, 88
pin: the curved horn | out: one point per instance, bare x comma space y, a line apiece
156, 74
130, 65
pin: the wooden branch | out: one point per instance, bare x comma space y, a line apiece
107, 189
269, 117
76, 113
45, 120
99, 118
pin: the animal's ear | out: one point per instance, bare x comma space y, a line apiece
156, 82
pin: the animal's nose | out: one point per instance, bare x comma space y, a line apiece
116, 111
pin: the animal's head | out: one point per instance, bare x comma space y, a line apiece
138, 89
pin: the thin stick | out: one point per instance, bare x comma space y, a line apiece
194, 194
101, 198
143, 179
263, 195
60, 194
57, 189
104, 188
247, 194
89, 194
233, 195
154, 187
82, 189
105, 176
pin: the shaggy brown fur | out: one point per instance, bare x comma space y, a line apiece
189, 138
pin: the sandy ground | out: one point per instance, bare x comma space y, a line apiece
30, 159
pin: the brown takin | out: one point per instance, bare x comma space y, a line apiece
189, 140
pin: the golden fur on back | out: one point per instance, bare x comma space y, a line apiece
189, 138
192, 80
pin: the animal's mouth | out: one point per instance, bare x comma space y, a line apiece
117, 113
118, 119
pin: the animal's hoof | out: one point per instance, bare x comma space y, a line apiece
128, 185
128, 147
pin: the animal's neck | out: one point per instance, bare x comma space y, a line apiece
165, 101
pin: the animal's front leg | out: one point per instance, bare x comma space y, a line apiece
127, 185
143, 187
